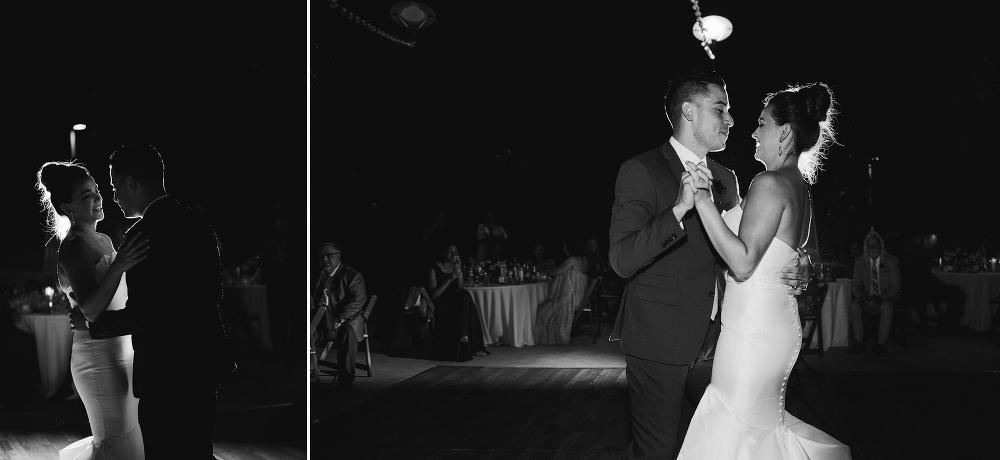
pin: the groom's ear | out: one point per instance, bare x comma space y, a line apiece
131, 184
687, 111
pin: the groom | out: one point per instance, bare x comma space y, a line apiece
669, 321
172, 312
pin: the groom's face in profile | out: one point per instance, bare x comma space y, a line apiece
123, 195
711, 118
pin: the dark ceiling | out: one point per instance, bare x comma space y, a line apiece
218, 86
529, 108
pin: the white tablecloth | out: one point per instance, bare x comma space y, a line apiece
979, 289
54, 341
835, 316
508, 312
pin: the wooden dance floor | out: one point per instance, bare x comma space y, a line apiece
542, 413
260, 415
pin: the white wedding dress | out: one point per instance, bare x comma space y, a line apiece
742, 413
102, 373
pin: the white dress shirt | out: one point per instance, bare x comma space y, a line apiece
686, 155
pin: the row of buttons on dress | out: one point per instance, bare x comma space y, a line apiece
788, 372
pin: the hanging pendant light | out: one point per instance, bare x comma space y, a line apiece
712, 28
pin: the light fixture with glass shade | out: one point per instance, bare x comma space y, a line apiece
412, 15
712, 28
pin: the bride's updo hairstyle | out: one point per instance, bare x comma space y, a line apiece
809, 109
55, 182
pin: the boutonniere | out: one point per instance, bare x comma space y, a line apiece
718, 187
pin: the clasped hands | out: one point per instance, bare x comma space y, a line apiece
695, 184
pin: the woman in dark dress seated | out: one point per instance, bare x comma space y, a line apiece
458, 332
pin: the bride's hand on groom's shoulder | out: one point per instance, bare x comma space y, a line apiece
132, 251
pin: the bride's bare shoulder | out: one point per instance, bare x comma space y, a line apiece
73, 252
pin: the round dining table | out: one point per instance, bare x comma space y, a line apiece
835, 314
54, 342
980, 290
507, 311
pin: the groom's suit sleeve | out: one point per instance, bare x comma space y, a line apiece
638, 233
176, 286
136, 316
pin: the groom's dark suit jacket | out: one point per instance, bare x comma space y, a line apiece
172, 310
671, 271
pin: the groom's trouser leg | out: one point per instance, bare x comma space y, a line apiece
655, 400
179, 426
700, 371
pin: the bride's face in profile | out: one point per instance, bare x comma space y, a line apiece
766, 136
87, 206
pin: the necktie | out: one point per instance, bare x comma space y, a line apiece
875, 287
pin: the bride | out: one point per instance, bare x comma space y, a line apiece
742, 413
93, 276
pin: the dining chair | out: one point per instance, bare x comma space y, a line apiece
363, 340
591, 306
608, 295
418, 310
428, 324
897, 330
810, 308
313, 357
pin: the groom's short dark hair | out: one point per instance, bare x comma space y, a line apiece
686, 86
140, 161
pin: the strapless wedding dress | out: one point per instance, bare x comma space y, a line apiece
742, 413
102, 373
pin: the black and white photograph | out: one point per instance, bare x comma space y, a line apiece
442, 229
675, 229
154, 280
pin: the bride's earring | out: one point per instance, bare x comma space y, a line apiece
779, 149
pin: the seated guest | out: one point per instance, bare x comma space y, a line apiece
876, 288
554, 320
990, 247
543, 265
342, 290
597, 263
458, 332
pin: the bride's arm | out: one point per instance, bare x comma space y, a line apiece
93, 297
762, 213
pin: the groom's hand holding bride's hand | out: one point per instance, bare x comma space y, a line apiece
699, 180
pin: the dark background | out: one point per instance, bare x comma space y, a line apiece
529, 109
218, 86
